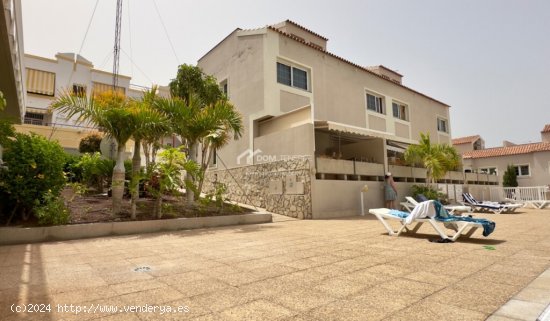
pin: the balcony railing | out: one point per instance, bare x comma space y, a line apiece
328, 168
340, 169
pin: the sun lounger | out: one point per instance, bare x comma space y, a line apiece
494, 207
466, 225
453, 209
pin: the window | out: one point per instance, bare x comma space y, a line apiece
79, 90
40, 82
292, 76
488, 170
522, 170
375, 103
224, 88
442, 125
400, 111
34, 119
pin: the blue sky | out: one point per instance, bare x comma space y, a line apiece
489, 59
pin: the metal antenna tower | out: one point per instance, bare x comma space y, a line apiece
116, 50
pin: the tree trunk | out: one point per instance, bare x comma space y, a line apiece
146, 151
189, 177
118, 180
204, 167
158, 207
136, 166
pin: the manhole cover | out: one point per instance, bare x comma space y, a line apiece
142, 269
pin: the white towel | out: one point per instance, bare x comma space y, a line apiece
422, 210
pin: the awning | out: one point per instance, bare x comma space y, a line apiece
36, 110
343, 128
396, 146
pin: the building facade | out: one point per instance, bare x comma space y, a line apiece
299, 100
47, 78
531, 161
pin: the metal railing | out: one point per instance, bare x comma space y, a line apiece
534, 193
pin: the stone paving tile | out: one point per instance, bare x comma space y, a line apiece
486, 303
521, 310
346, 310
341, 269
533, 294
429, 311
256, 310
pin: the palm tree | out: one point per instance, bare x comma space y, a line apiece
112, 112
149, 123
186, 121
436, 158
224, 121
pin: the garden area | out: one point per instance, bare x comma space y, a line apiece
41, 184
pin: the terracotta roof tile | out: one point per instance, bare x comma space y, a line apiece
353, 64
546, 129
306, 29
465, 140
506, 151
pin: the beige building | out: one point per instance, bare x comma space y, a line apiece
531, 161
298, 99
47, 78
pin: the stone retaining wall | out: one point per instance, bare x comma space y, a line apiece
282, 187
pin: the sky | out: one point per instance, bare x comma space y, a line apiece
488, 59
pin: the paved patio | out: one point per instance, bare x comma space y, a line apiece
344, 269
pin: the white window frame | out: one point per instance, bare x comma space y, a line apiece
399, 111
294, 66
446, 121
519, 173
225, 83
487, 170
381, 107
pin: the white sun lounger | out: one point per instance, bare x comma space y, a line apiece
410, 204
384, 216
494, 207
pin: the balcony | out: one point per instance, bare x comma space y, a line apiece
354, 170
341, 169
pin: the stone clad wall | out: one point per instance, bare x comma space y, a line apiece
282, 187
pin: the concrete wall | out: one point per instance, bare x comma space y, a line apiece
239, 59
347, 202
289, 120
285, 144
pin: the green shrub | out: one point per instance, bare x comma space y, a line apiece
510, 178
429, 192
72, 170
34, 167
90, 144
95, 170
52, 212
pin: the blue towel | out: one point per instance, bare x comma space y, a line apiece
400, 214
443, 216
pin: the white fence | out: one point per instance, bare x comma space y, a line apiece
537, 196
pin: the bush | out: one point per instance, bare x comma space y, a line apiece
430, 193
90, 144
72, 171
34, 167
510, 179
52, 212
95, 170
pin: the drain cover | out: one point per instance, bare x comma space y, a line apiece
142, 269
